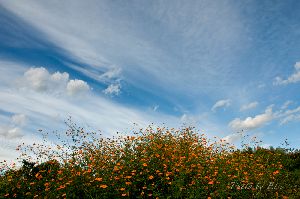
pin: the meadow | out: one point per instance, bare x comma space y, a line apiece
151, 163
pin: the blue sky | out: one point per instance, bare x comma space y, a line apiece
221, 66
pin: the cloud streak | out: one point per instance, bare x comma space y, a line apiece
294, 78
249, 106
290, 115
221, 104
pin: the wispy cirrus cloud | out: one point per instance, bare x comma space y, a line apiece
104, 74
294, 78
249, 106
12, 129
19, 119
139, 50
289, 115
221, 104
286, 104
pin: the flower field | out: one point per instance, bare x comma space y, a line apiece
153, 163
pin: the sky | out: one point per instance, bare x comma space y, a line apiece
222, 66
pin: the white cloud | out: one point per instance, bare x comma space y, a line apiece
40, 80
113, 89
249, 106
252, 122
221, 104
19, 119
59, 80
37, 78
77, 87
295, 77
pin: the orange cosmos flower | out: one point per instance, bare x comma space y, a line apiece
275, 172
38, 176
61, 187
103, 186
151, 177
116, 168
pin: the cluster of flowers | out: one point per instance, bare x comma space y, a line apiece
155, 163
